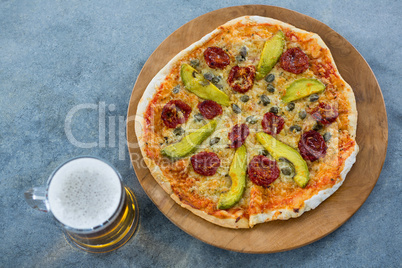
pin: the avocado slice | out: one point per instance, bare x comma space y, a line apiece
190, 142
237, 173
301, 88
197, 84
271, 52
280, 150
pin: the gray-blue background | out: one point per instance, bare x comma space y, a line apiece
55, 55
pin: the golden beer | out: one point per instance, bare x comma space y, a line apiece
113, 236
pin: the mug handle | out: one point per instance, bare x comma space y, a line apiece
36, 198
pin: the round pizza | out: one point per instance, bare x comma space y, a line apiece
250, 124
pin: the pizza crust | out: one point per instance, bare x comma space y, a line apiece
282, 214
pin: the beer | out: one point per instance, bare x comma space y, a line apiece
87, 197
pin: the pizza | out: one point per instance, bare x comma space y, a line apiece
250, 124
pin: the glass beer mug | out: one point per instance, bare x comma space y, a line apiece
87, 197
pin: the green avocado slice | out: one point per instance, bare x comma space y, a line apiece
237, 173
271, 52
190, 142
301, 88
197, 84
280, 150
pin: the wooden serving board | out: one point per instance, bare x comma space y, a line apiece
372, 137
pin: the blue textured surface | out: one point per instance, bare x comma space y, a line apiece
55, 55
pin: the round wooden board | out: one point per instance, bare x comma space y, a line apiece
372, 137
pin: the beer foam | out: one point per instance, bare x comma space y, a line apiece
84, 193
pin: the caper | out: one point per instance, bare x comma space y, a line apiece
274, 110
270, 78
236, 108
286, 167
178, 131
264, 152
295, 128
219, 86
318, 126
302, 114
243, 52
314, 97
265, 100
240, 58
208, 76
251, 120
198, 117
214, 140
291, 106
194, 62
176, 89
327, 136
286, 171
215, 80
244, 98
270, 88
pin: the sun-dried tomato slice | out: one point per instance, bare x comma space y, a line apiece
175, 112
216, 57
205, 163
294, 60
209, 109
272, 123
312, 146
324, 113
241, 79
262, 171
238, 135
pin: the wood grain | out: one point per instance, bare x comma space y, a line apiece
372, 137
